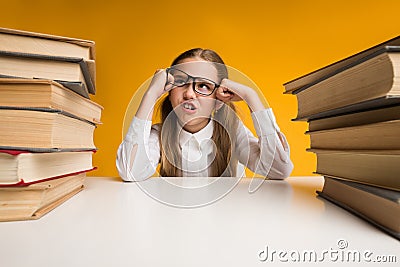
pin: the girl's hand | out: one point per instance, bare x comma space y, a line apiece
156, 89
158, 84
233, 91
230, 91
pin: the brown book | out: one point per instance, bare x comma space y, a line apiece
336, 67
73, 73
355, 119
380, 207
23, 167
24, 42
375, 167
37, 93
369, 84
34, 201
45, 44
381, 135
23, 129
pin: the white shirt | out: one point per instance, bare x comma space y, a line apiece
268, 155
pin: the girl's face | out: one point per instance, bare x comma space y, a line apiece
193, 109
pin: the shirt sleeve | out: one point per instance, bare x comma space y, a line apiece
267, 155
139, 153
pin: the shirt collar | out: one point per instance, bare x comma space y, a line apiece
204, 134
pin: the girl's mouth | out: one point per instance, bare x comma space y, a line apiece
189, 107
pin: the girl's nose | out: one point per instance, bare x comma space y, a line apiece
189, 93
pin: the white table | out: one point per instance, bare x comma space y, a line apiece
111, 223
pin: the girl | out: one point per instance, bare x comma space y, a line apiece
200, 134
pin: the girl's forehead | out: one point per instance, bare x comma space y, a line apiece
198, 68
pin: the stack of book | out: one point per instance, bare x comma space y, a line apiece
353, 112
47, 121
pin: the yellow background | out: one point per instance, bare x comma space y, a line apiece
272, 42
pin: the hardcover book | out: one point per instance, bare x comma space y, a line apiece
380, 135
23, 167
356, 119
33, 43
369, 84
73, 73
47, 94
381, 207
337, 67
33, 201
373, 167
45, 44
44, 130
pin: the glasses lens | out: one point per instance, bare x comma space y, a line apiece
204, 86
201, 85
179, 78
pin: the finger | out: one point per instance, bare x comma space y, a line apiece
158, 72
168, 87
226, 91
224, 97
235, 89
169, 84
170, 78
228, 84
231, 86
156, 75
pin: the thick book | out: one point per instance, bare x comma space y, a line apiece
19, 167
38, 93
373, 167
18, 41
328, 71
381, 207
372, 83
33, 201
380, 135
356, 118
73, 73
45, 44
44, 130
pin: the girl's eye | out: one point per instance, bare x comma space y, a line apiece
179, 81
204, 87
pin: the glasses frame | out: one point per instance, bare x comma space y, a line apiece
193, 82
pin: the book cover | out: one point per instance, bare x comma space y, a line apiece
379, 102
376, 205
380, 136
367, 85
69, 71
48, 94
47, 44
337, 67
373, 167
44, 130
33, 201
21, 168
356, 118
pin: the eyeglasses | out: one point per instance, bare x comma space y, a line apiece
200, 85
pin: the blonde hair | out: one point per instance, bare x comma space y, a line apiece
225, 127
